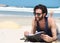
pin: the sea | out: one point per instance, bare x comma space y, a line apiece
23, 14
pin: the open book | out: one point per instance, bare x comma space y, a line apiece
35, 37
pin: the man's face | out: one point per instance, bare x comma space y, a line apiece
38, 14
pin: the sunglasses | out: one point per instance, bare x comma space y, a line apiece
38, 14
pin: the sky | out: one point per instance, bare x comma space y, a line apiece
31, 3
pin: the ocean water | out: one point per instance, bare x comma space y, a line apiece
13, 35
24, 14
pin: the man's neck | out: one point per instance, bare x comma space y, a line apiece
43, 19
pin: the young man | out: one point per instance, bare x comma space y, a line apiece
43, 23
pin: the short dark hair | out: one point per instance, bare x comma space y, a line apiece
42, 7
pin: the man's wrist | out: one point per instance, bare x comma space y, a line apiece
50, 39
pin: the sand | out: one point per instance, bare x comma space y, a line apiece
12, 28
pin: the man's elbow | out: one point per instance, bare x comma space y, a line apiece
54, 38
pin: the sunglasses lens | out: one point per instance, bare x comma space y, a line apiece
38, 14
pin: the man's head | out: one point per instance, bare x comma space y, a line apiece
40, 11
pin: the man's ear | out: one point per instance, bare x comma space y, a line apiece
44, 15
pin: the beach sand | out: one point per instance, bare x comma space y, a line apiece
12, 28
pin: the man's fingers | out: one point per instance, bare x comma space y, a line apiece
42, 35
26, 33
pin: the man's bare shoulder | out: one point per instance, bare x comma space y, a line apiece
52, 22
33, 20
51, 19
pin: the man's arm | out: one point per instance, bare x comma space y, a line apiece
53, 26
47, 38
33, 27
53, 29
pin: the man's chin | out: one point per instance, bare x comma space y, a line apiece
40, 19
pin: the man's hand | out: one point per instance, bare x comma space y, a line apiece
46, 38
26, 33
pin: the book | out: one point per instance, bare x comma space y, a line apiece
34, 37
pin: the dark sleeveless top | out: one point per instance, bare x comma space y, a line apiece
46, 29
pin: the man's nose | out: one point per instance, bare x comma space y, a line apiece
37, 16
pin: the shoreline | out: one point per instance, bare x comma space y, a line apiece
56, 10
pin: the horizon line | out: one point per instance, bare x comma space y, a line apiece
24, 9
